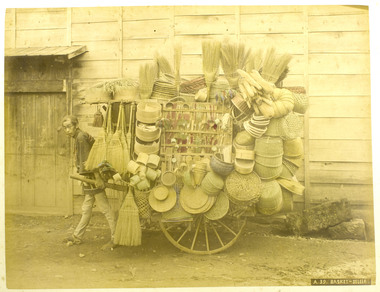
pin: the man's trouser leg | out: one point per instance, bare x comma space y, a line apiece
104, 206
86, 216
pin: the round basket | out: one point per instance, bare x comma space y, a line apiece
241, 105
273, 161
286, 173
244, 166
290, 126
290, 166
295, 161
243, 138
148, 148
255, 132
273, 128
168, 178
219, 166
244, 187
148, 112
162, 198
212, 184
142, 202
271, 198
269, 146
195, 201
147, 133
245, 154
301, 103
220, 207
266, 172
293, 148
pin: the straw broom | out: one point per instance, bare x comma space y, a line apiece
211, 58
129, 134
115, 151
163, 64
255, 61
274, 66
128, 228
177, 65
233, 56
99, 148
124, 143
148, 74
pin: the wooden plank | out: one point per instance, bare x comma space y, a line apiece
142, 48
146, 12
132, 67
147, 29
205, 24
272, 23
339, 64
358, 22
340, 128
203, 10
192, 44
341, 150
284, 43
44, 141
192, 64
99, 50
336, 9
12, 188
12, 124
44, 181
98, 31
337, 42
38, 38
248, 9
41, 20
339, 85
96, 69
9, 39
294, 80
93, 14
9, 19
340, 106
42, 10
35, 86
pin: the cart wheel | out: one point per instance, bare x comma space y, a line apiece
204, 236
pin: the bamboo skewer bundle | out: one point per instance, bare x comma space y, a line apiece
211, 59
148, 74
233, 56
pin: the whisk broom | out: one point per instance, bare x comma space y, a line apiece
148, 74
211, 58
115, 153
128, 228
274, 66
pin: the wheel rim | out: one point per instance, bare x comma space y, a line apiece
204, 236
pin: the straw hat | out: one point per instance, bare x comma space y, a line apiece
148, 112
290, 166
219, 166
244, 187
291, 185
168, 178
243, 166
286, 173
220, 208
162, 198
266, 172
176, 214
293, 147
195, 201
271, 198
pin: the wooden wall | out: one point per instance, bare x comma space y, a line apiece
329, 45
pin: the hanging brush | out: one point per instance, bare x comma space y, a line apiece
233, 56
255, 61
148, 74
98, 119
163, 64
211, 59
274, 66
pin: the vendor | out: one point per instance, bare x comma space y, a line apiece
82, 146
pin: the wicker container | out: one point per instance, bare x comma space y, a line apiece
212, 184
243, 138
244, 154
147, 133
290, 126
293, 148
271, 198
293, 186
244, 166
241, 105
148, 148
269, 146
168, 178
244, 187
220, 207
301, 102
273, 161
290, 166
142, 202
219, 166
286, 173
295, 161
148, 112
266, 172
273, 128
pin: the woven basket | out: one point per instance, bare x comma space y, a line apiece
244, 187
269, 146
293, 148
301, 103
266, 172
142, 202
271, 198
290, 166
243, 138
290, 126
293, 186
148, 112
255, 132
148, 148
193, 85
147, 133
295, 161
219, 166
243, 166
286, 173
212, 184
272, 161
241, 105
245, 154
273, 128
220, 207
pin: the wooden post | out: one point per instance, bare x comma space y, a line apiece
120, 22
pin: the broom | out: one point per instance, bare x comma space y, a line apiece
129, 135
211, 58
147, 75
98, 119
255, 61
177, 65
233, 56
115, 153
274, 66
163, 64
99, 148
128, 229
124, 142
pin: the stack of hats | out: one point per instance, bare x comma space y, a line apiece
147, 138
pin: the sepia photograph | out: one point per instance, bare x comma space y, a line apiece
192, 146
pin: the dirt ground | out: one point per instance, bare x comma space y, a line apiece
37, 258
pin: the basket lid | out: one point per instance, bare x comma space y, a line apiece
220, 208
163, 205
244, 187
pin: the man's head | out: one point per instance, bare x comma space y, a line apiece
70, 125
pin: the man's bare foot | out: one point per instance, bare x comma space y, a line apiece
108, 245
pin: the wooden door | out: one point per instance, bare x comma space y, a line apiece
37, 156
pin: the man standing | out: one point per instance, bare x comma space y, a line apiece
82, 146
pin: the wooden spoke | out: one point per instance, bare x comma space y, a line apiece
217, 235
206, 236
196, 233
183, 234
225, 226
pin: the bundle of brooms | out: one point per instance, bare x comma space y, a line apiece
210, 60
147, 75
275, 66
233, 56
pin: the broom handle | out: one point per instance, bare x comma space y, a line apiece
123, 187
